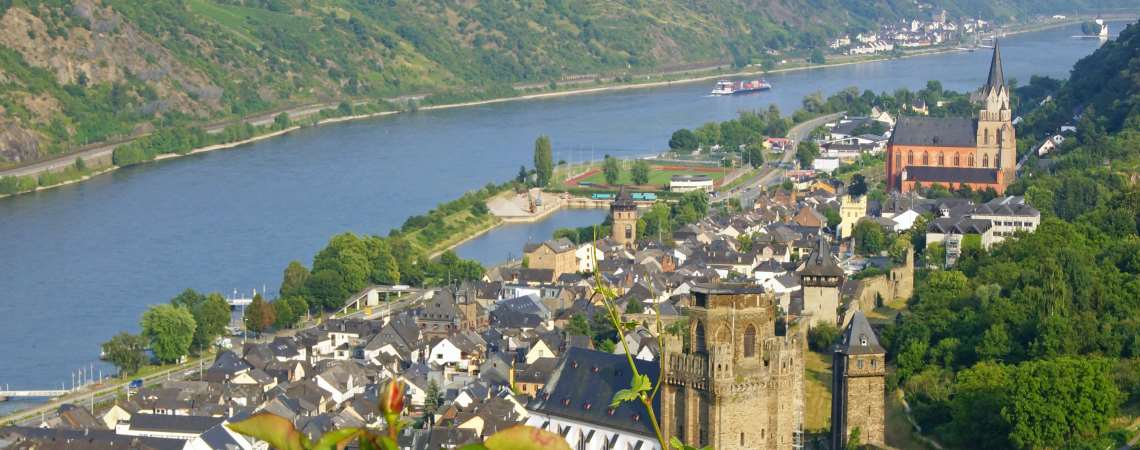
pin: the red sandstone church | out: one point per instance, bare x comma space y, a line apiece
956, 151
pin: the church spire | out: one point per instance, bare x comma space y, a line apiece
997, 79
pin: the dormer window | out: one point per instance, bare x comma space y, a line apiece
863, 340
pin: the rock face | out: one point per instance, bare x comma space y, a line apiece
17, 144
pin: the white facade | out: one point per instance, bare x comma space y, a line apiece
599, 437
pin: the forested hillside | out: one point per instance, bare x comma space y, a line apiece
1036, 344
83, 71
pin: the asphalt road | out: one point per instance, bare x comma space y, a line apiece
748, 191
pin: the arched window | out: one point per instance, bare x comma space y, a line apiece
986, 137
957, 160
925, 158
941, 159
898, 160
629, 231
1000, 135
910, 157
679, 413
985, 160
749, 341
971, 160
699, 344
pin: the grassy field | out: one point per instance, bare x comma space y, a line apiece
817, 392
460, 226
658, 175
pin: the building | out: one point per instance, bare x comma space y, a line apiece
957, 151
821, 278
624, 214
851, 209
739, 385
689, 183
440, 315
558, 255
858, 386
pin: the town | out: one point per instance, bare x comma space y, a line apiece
755, 302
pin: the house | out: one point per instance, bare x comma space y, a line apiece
167, 427
532, 377
583, 417
440, 315
690, 183
342, 381
586, 255
851, 210
809, 217
59, 438
825, 164
558, 255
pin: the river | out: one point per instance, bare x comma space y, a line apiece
81, 262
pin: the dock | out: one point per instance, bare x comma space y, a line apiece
46, 393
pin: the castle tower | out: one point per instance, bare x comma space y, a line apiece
821, 278
858, 391
624, 214
996, 142
737, 385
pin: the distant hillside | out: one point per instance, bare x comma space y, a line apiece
83, 71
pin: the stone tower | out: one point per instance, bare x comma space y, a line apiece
624, 214
821, 278
737, 385
858, 397
996, 142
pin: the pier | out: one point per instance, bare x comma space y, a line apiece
47, 393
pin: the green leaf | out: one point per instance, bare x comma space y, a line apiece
622, 396
522, 437
637, 386
276, 430
640, 383
629, 326
337, 439
473, 447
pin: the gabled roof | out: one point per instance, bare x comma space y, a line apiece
173, 424
821, 262
935, 131
604, 374
859, 338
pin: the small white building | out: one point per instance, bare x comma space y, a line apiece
825, 164
689, 183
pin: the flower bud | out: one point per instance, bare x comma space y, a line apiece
392, 399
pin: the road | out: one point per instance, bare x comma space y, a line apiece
748, 191
189, 370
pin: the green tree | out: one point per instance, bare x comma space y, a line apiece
281, 121
806, 152
634, 307
126, 351
817, 57
170, 330
611, 168
578, 326
1058, 400
858, 185
433, 397
543, 160
293, 283
869, 238
980, 394
640, 172
283, 314
684, 139
385, 268
211, 314
259, 315
822, 336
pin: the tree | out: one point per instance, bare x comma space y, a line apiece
684, 139
259, 315
293, 283
858, 185
1057, 400
640, 172
543, 160
821, 336
754, 155
432, 397
385, 269
211, 314
611, 168
980, 393
817, 57
126, 351
869, 238
281, 121
634, 307
283, 314
578, 326
522, 176
170, 330
806, 152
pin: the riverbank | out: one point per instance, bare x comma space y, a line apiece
662, 79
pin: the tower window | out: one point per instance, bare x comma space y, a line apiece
629, 231
749, 341
859, 363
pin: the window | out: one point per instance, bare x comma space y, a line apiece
971, 160
941, 159
699, 339
679, 413
985, 160
859, 363
749, 342
910, 158
925, 158
741, 438
629, 231
986, 137
957, 160
898, 159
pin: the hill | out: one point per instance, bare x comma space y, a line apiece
83, 71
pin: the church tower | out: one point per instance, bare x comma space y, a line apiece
623, 212
996, 142
858, 388
821, 278
736, 385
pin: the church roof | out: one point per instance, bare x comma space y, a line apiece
996, 79
582, 385
929, 174
859, 339
935, 131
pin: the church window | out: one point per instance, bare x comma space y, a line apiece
750, 341
898, 159
985, 160
941, 159
957, 160
925, 158
971, 160
910, 157
699, 339
741, 438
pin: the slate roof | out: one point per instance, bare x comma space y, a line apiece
996, 80
559, 245
935, 131
820, 262
951, 174
959, 225
173, 424
859, 338
538, 372
58, 438
605, 374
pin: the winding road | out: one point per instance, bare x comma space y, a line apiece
751, 189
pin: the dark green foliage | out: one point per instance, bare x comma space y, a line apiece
259, 315
578, 326
543, 163
683, 139
640, 172
211, 314
806, 153
126, 351
611, 168
821, 337
869, 238
169, 330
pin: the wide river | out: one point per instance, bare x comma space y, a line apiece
80, 263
